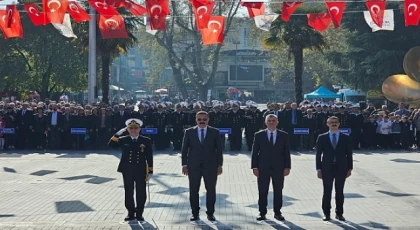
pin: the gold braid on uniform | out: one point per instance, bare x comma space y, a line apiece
114, 138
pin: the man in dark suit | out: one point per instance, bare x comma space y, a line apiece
136, 165
334, 162
271, 160
202, 157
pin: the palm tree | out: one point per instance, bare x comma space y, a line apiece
298, 36
108, 49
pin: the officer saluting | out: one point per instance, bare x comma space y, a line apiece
136, 165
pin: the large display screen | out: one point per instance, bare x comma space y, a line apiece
246, 73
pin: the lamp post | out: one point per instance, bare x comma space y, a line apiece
92, 57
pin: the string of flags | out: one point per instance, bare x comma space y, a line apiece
111, 22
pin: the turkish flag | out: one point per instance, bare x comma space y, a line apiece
202, 13
157, 10
214, 32
336, 10
36, 17
114, 3
10, 9
254, 8
112, 27
102, 8
77, 12
55, 10
412, 12
288, 8
15, 28
320, 21
134, 8
376, 10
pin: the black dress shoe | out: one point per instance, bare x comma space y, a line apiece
261, 217
279, 217
194, 218
340, 218
140, 218
211, 218
326, 218
129, 217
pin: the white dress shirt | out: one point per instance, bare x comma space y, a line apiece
337, 135
54, 118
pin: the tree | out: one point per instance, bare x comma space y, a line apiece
108, 49
371, 57
298, 36
43, 60
188, 58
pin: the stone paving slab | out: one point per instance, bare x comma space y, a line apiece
82, 190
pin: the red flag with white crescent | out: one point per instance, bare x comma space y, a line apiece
254, 8
103, 8
35, 15
114, 3
10, 9
288, 8
157, 10
336, 10
55, 10
134, 8
112, 27
412, 12
320, 21
376, 10
77, 12
15, 28
202, 13
214, 32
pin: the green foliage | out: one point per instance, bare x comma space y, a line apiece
371, 57
43, 60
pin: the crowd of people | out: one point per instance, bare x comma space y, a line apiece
48, 124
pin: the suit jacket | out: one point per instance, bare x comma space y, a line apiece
325, 153
135, 155
266, 156
59, 118
24, 120
209, 153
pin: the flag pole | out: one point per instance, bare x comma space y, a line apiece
92, 56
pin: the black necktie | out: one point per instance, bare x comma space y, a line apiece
134, 140
271, 139
202, 136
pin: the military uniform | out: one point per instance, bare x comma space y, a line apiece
235, 120
135, 164
217, 119
160, 120
178, 120
253, 123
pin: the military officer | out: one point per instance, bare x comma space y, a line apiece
136, 165
253, 123
178, 120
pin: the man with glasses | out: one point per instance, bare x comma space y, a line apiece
202, 157
136, 165
334, 163
271, 161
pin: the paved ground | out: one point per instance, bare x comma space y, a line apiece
82, 190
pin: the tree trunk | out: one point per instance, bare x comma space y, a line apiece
106, 60
177, 74
202, 90
298, 62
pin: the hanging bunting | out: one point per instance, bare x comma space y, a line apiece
411, 12
65, 29
157, 10
54, 10
112, 27
264, 22
388, 21
77, 12
214, 32
376, 10
336, 10
103, 9
202, 13
288, 8
319, 21
134, 8
12, 27
254, 8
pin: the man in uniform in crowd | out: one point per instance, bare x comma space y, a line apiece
235, 120
177, 120
160, 120
253, 123
136, 165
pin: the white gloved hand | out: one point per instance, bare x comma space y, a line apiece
119, 133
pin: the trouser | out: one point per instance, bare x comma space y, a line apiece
177, 136
135, 179
263, 181
236, 139
53, 138
249, 134
210, 180
338, 179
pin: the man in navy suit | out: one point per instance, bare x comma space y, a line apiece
270, 161
334, 163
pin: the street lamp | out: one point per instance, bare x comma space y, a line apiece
236, 42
